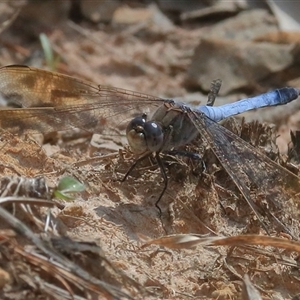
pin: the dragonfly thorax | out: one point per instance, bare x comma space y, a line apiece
144, 136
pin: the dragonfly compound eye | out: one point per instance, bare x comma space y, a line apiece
154, 136
135, 134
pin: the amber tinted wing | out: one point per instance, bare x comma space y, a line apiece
272, 191
51, 101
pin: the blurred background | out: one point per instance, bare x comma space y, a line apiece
165, 48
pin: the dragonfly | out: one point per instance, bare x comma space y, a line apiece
49, 101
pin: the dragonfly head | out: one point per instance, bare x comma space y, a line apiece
143, 135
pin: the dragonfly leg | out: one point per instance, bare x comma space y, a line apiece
165, 178
163, 172
134, 165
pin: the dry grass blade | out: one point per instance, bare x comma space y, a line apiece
249, 292
183, 241
22, 200
64, 269
9, 12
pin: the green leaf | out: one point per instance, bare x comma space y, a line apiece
67, 186
51, 60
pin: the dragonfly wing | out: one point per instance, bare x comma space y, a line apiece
276, 190
63, 102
